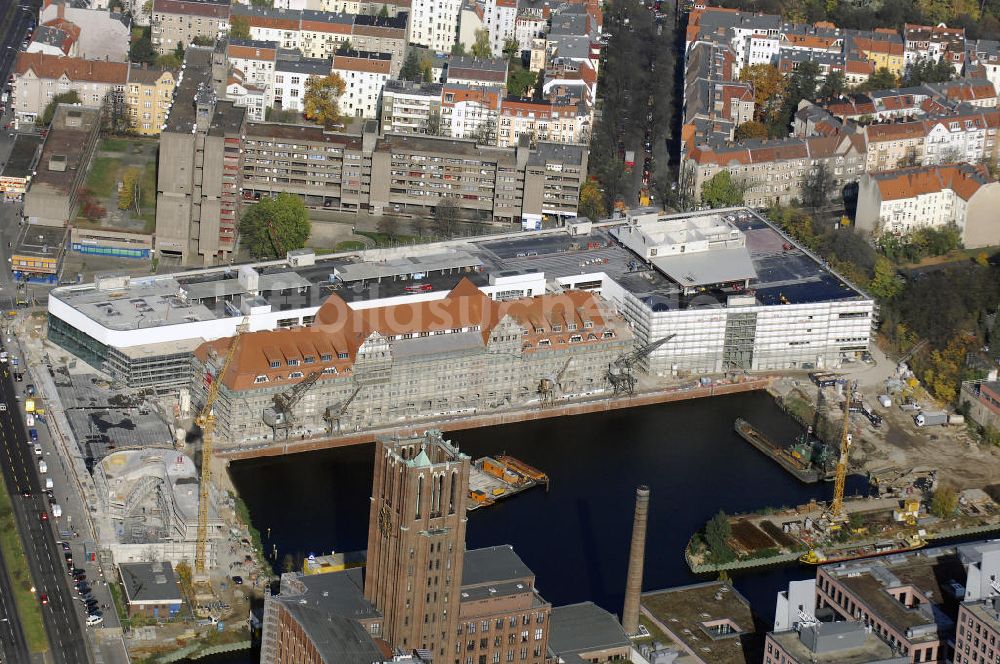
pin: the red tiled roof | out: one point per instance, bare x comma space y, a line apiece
964, 179
209, 9
76, 69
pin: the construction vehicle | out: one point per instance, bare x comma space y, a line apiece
837, 514
206, 421
547, 386
334, 413
619, 372
281, 415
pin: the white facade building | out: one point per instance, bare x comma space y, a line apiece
364, 76
500, 17
434, 23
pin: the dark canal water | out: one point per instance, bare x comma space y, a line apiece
576, 536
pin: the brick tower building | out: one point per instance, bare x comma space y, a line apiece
416, 541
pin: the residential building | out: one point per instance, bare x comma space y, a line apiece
21, 163
895, 145
530, 24
99, 34
882, 49
255, 62
907, 599
408, 107
197, 194
970, 135
542, 121
148, 97
774, 171
59, 39
181, 21
52, 195
500, 19
255, 99
37, 254
900, 202
978, 622
838, 642
983, 61
934, 42
434, 23
471, 19
364, 74
488, 72
151, 590
471, 111
292, 73
39, 77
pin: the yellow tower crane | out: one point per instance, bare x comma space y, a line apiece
206, 420
837, 507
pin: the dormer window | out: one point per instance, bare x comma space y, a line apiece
542, 343
294, 375
342, 356
309, 359
571, 327
260, 379
325, 358
557, 328
293, 363
587, 324
275, 364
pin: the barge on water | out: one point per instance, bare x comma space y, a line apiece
901, 544
806, 460
493, 478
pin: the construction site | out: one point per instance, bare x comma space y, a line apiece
883, 426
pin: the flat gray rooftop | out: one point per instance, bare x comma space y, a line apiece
702, 268
872, 650
493, 564
584, 627
454, 260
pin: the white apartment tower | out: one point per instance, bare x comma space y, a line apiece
434, 23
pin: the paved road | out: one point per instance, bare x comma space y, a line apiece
48, 568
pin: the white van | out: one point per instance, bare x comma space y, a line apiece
56, 510
30, 420
38, 450
43, 467
94, 620
49, 484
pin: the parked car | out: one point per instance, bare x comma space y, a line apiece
33, 434
44, 598
44, 516
94, 620
238, 580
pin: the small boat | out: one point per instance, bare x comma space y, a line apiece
880, 548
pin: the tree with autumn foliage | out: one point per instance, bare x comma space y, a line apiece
322, 100
768, 90
750, 130
592, 201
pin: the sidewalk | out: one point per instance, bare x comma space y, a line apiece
75, 493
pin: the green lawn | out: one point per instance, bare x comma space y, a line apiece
103, 177
114, 145
29, 610
148, 186
346, 245
383, 239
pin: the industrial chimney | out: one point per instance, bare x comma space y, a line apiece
633, 584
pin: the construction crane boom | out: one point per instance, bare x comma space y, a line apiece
206, 420
620, 371
334, 413
837, 506
547, 386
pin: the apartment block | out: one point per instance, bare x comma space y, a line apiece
774, 171
38, 77
98, 34
488, 72
180, 21
900, 202
364, 74
408, 107
469, 111
542, 121
54, 189
292, 73
434, 23
197, 183
934, 42
148, 97
500, 19
977, 636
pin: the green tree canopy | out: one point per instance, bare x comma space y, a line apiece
142, 51
321, 101
285, 215
481, 48
750, 129
592, 202
721, 191
881, 79
885, 284
944, 502
521, 82
833, 86
45, 119
383, 12
717, 533
458, 49
239, 27
202, 40
410, 71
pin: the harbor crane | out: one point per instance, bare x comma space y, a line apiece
547, 386
206, 421
620, 371
281, 415
336, 412
837, 513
